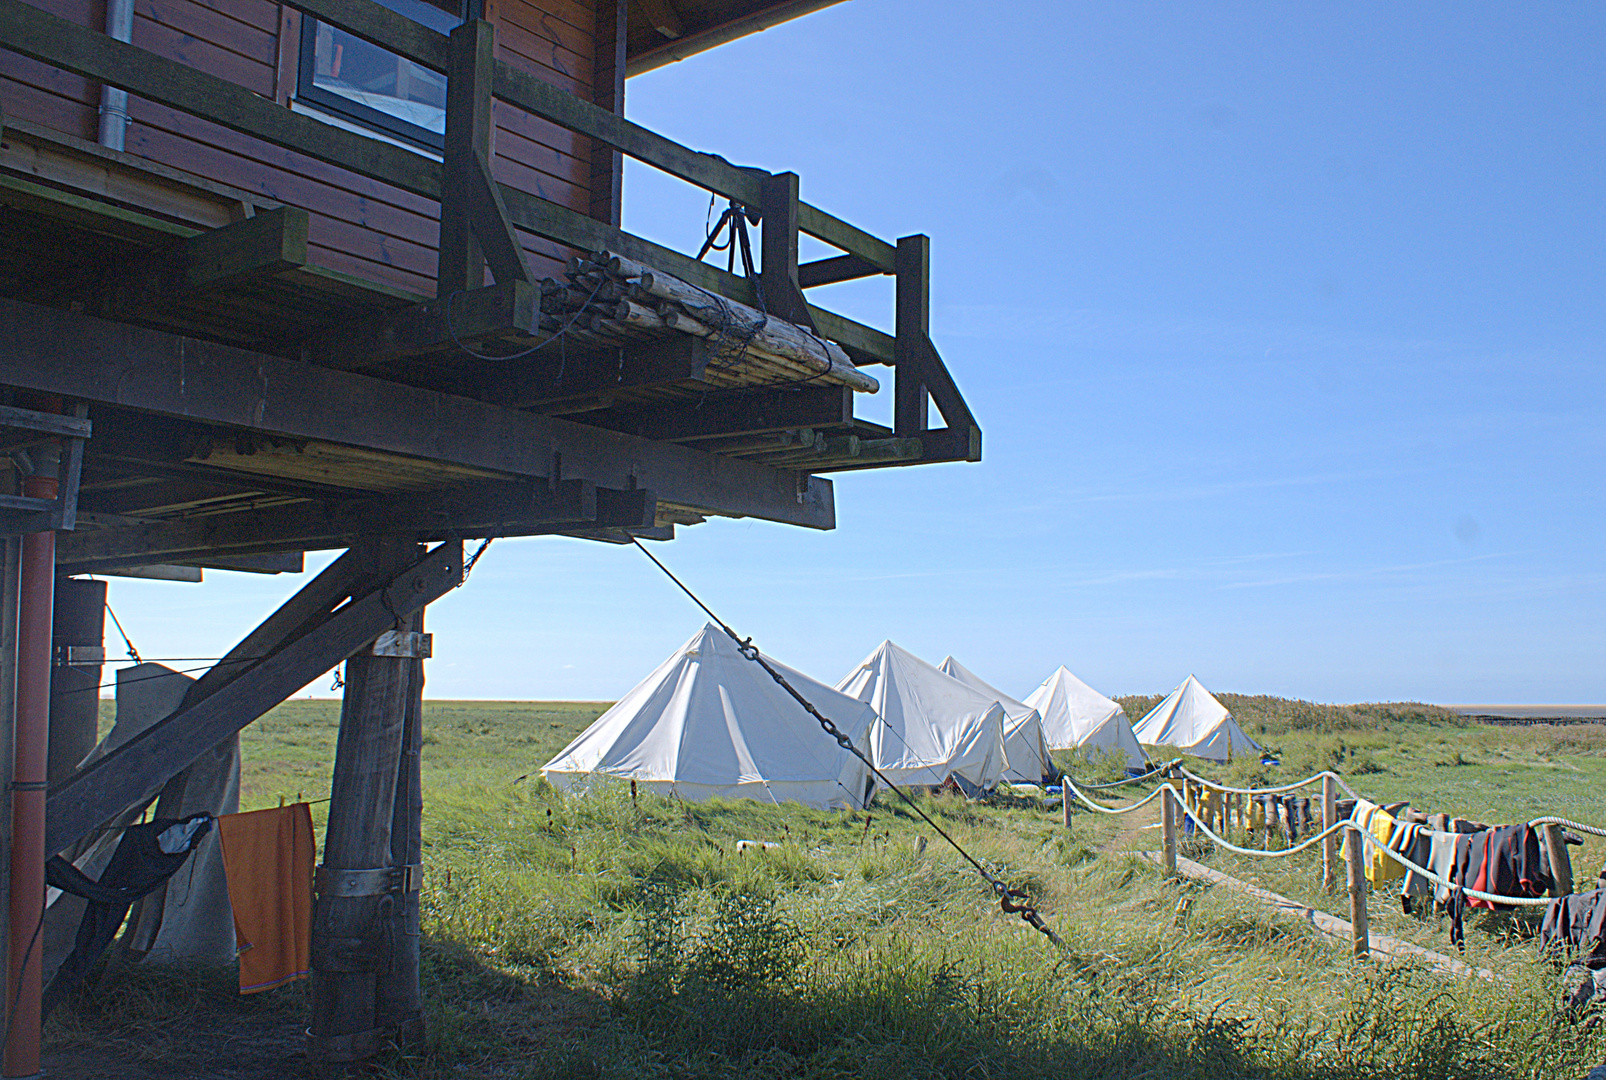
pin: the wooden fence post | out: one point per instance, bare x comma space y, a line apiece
1329, 845
1360, 932
1561, 864
1168, 829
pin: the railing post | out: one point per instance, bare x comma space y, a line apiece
1561, 864
1329, 845
1168, 829
1360, 933
468, 141
783, 296
910, 409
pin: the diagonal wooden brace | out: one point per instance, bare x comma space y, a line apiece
138, 769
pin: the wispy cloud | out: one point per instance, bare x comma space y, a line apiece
1363, 573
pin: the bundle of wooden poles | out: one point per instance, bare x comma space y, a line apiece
612, 301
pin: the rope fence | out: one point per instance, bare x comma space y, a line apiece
1175, 807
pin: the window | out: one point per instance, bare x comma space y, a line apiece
343, 74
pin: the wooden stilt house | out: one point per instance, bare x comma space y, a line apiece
313, 274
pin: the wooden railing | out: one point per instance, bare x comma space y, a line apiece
37, 34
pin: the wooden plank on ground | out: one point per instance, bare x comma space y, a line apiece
1330, 925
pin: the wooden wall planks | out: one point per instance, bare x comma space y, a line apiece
358, 226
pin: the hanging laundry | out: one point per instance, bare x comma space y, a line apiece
1512, 866
268, 859
146, 856
1414, 841
1575, 927
1379, 868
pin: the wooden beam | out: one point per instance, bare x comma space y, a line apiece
155, 372
851, 239
865, 344
490, 509
261, 246
944, 391
830, 271
778, 212
708, 171
724, 415
469, 318
664, 362
718, 31
138, 769
910, 416
663, 17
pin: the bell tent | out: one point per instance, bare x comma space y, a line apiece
1024, 745
1194, 722
710, 722
932, 725
1076, 715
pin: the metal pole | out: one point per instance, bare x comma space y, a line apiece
1329, 845
31, 750
1168, 829
1359, 931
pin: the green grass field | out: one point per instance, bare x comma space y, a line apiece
598, 936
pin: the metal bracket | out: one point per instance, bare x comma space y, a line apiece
408, 644
80, 655
330, 883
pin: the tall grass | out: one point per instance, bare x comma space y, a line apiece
605, 936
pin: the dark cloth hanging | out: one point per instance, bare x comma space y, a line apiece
1513, 865
1575, 926
146, 856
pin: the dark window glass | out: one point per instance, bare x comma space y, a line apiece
346, 75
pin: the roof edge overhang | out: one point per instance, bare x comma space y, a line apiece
677, 49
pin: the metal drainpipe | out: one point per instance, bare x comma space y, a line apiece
32, 751
114, 102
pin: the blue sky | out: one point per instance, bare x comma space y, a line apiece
1284, 325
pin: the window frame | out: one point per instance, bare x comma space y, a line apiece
356, 112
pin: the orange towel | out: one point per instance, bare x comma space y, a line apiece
268, 859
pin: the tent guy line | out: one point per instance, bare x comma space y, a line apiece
1006, 895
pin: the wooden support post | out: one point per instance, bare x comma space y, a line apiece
1329, 845
475, 225
398, 1003
911, 414
1360, 933
608, 92
783, 296
1561, 864
1168, 830
1065, 801
78, 646
468, 143
358, 922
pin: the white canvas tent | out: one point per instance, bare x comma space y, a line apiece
710, 722
1194, 722
1024, 745
1074, 714
932, 725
